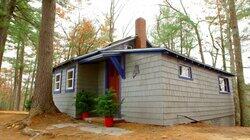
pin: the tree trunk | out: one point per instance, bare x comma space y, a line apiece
111, 20
42, 101
33, 78
199, 42
20, 78
5, 20
232, 65
26, 92
214, 58
245, 115
14, 91
181, 38
218, 4
69, 53
172, 44
3, 38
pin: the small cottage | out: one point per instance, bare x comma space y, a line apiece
155, 85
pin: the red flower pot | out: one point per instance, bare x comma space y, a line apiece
85, 115
109, 121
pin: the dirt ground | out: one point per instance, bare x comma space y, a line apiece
198, 131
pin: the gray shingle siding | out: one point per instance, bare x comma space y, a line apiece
143, 94
157, 95
88, 78
199, 98
92, 77
65, 100
101, 77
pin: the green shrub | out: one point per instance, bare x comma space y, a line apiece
27, 104
106, 104
85, 102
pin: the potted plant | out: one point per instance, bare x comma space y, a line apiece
85, 102
107, 106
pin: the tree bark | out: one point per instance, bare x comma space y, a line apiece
214, 58
218, 4
26, 92
14, 91
181, 38
229, 44
199, 42
5, 20
42, 100
245, 115
20, 78
111, 20
33, 78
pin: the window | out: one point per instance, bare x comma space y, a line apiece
70, 79
185, 72
57, 82
224, 85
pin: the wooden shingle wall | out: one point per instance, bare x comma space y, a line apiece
158, 96
143, 92
89, 77
65, 100
198, 98
101, 77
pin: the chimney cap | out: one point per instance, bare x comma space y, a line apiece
140, 18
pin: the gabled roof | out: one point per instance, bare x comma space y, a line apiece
110, 51
118, 42
109, 46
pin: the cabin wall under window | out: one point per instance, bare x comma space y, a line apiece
142, 90
154, 93
198, 98
65, 100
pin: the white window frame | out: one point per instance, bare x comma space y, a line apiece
189, 72
226, 85
59, 82
73, 77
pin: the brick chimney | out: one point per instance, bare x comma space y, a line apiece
140, 32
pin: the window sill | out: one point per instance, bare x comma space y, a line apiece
224, 92
70, 89
57, 91
186, 78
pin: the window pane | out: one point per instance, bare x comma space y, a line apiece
57, 86
222, 85
70, 83
189, 73
70, 78
58, 78
70, 74
180, 67
226, 85
57, 81
185, 71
